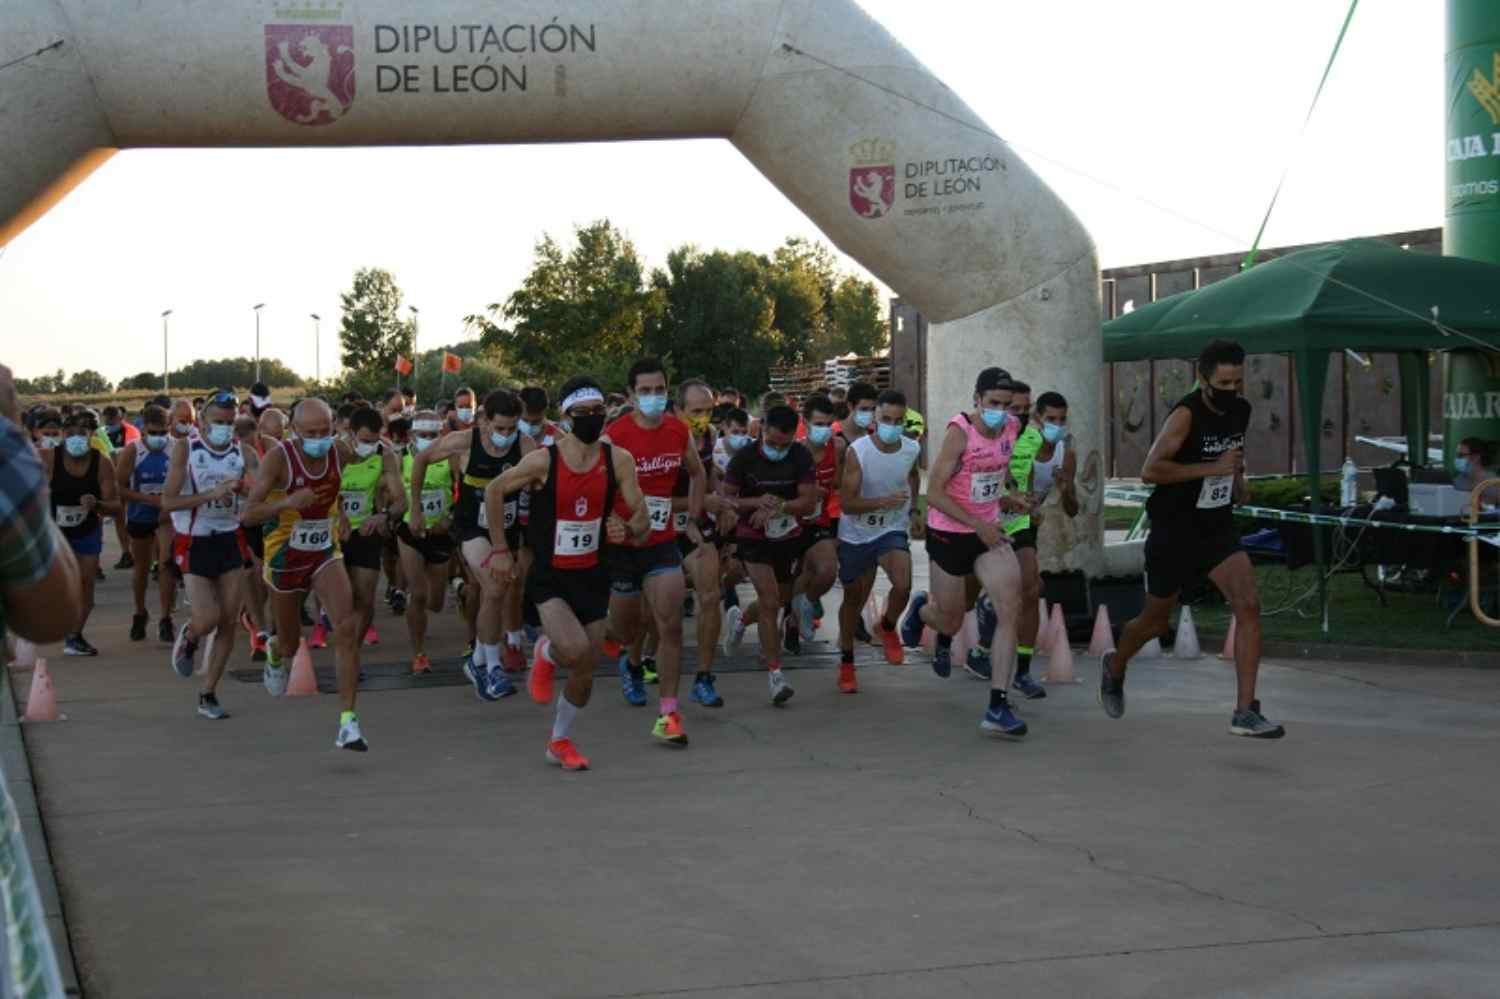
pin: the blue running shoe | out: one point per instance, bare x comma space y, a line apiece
977, 663
911, 624
532, 632
1028, 687
497, 685
479, 677
1002, 722
633, 687
987, 619
942, 661
704, 692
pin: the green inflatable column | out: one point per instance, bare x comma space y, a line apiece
1471, 385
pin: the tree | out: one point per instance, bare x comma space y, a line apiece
802, 276
857, 323
89, 382
144, 380
371, 330
714, 318
580, 310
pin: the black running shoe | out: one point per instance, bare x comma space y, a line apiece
125, 562
398, 602
138, 627
861, 633
791, 636
1252, 724
1111, 690
165, 630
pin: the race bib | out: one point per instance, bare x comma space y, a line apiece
576, 537
433, 503
1217, 491
660, 509
221, 505
150, 489
354, 503
875, 520
680, 521
780, 526
312, 535
984, 487
71, 516
484, 515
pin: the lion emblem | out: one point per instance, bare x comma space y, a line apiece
310, 72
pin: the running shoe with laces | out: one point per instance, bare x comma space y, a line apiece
781, 690
350, 737
1253, 725
669, 730
1002, 721
539, 684
1111, 690
890, 641
848, 684
166, 631
648, 670
421, 665
1028, 687
986, 619
942, 660
208, 707
258, 646
802, 608
704, 693
512, 658
398, 603
911, 624
274, 675
138, 627
612, 648
183, 651
372, 637
734, 629
477, 675
791, 635
566, 755
77, 645
319, 639
631, 686
498, 685
977, 663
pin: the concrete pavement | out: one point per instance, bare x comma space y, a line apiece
874, 845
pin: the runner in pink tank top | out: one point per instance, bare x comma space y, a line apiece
966, 493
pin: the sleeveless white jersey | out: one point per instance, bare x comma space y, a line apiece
881, 475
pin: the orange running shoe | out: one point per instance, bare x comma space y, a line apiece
847, 683
669, 730
539, 685
512, 659
319, 639
421, 665
566, 755
612, 648
894, 653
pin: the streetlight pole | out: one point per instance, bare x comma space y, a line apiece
256, 309
416, 356
164, 369
317, 348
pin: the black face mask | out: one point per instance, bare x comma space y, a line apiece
1222, 399
588, 428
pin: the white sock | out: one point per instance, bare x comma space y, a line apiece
513, 639
491, 654
567, 714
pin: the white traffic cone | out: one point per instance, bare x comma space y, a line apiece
1186, 645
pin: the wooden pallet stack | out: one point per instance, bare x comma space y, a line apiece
801, 380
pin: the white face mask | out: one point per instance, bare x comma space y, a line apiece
365, 450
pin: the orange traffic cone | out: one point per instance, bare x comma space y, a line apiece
302, 681
1060, 659
1186, 645
1104, 638
1057, 630
25, 654
41, 703
1228, 652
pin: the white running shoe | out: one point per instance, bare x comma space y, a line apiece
803, 608
183, 650
275, 678
734, 630
781, 690
350, 736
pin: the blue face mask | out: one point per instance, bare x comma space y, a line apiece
862, 418
651, 405
819, 435
994, 418
737, 441
1460, 465
156, 442
1054, 432
774, 453
530, 429
889, 433
502, 441
220, 434
77, 445
316, 447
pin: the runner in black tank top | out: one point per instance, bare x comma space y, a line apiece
82, 489
1197, 465
582, 493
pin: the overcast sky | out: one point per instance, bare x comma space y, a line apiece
1192, 104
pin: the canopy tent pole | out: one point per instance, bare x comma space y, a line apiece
1416, 399
1312, 379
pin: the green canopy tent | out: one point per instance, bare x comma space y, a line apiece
1362, 294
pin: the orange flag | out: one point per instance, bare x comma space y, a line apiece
452, 363
403, 366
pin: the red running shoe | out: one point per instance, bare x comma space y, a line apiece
421, 665
566, 755
894, 653
847, 683
540, 683
372, 637
319, 639
512, 659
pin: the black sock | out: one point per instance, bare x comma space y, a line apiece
997, 700
700, 675
887, 623
1023, 663
846, 657
944, 641
636, 672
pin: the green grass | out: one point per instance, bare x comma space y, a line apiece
1355, 617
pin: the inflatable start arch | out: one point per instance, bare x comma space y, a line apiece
893, 167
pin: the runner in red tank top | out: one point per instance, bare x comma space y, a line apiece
574, 486
820, 532
661, 445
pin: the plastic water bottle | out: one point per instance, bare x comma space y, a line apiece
1349, 484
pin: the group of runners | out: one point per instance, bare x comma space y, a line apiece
599, 534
